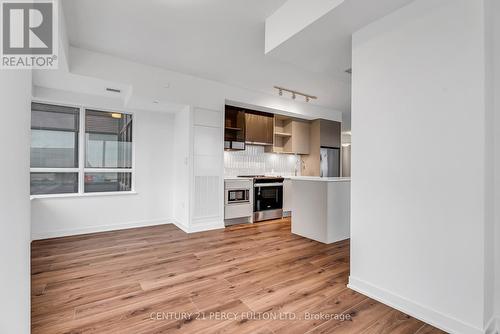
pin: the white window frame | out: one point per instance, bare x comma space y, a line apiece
81, 169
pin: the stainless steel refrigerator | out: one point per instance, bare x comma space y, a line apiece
329, 162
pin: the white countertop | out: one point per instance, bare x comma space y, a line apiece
320, 179
236, 178
301, 178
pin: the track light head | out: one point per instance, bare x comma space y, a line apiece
294, 93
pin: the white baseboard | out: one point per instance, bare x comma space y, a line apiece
439, 320
95, 229
207, 227
206, 224
199, 226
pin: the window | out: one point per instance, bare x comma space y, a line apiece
105, 182
54, 149
108, 158
54, 183
54, 136
76, 150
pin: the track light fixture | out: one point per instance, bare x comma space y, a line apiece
294, 93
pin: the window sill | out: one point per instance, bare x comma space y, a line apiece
114, 193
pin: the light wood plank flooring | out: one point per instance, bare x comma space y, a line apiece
161, 280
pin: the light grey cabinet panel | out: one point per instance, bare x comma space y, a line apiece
330, 133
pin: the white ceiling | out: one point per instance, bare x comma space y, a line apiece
325, 46
223, 40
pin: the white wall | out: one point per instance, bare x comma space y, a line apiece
496, 108
15, 93
154, 184
419, 165
489, 231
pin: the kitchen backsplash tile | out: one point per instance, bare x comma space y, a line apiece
254, 161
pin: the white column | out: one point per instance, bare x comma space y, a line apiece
496, 112
15, 96
419, 194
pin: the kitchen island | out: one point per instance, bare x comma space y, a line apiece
321, 208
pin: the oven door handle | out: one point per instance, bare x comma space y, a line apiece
263, 185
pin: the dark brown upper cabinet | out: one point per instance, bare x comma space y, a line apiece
259, 128
234, 128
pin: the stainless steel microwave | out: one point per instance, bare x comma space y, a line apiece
237, 196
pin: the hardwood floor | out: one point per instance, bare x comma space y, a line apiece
161, 280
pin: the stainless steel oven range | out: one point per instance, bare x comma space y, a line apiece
268, 198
